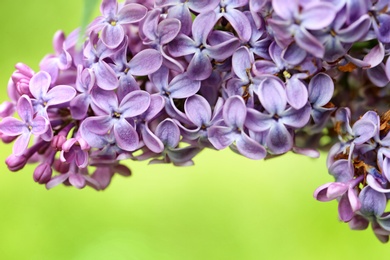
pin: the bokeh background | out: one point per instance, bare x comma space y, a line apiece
224, 207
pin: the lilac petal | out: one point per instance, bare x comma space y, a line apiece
131, 13
82, 159
60, 94
109, 7
240, 23
336, 189
135, 103
223, 50
157, 103
363, 131
382, 29
39, 125
257, 121
182, 86
384, 222
57, 180
296, 93
261, 67
96, 124
200, 66
25, 109
182, 45
183, 156
309, 43
125, 135
309, 152
198, 110
168, 29
105, 100
318, 16
220, 137
356, 31
250, 148
320, 89
11, 126
358, 223
151, 140
21, 143
378, 76
279, 139
375, 56
272, 95
341, 170
386, 168
202, 6
345, 211
234, 112
169, 133
375, 185
39, 84
183, 14
285, 11
373, 202
202, 26
296, 118
77, 181
79, 106
105, 76
112, 35
293, 54
242, 62
354, 200
150, 23
320, 193
145, 62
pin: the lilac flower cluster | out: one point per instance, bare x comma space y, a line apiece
162, 80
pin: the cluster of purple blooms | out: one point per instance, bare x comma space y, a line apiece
162, 80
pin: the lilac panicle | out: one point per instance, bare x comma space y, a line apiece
161, 80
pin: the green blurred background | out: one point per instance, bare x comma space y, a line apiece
224, 207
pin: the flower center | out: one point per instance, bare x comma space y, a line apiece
113, 22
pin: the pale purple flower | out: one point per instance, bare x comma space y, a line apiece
294, 21
278, 119
24, 128
200, 66
114, 116
113, 21
234, 115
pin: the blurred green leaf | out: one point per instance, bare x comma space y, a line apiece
89, 8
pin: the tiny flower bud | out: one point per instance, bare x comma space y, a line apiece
43, 173
16, 163
58, 141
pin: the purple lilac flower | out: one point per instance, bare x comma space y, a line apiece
162, 80
200, 66
113, 21
24, 128
277, 119
294, 21
234, 115
114, 117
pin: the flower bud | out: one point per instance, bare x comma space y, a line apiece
16, 163
43, 173
58, 141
